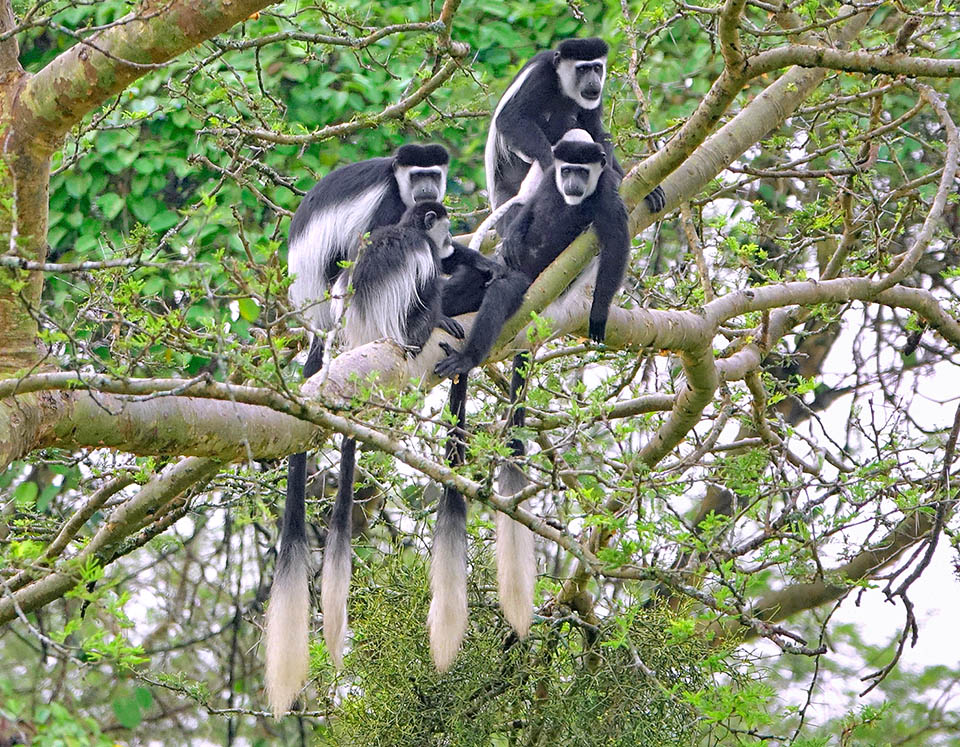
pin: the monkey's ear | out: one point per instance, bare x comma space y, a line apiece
429, 220
556, 58
603, 161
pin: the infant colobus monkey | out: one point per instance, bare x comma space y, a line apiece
578, 190
396, 283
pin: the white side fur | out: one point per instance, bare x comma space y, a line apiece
529, 185
495, 146
516, 561
447, 619
333, 597
369, 319
567, 73
288, 617
336, 229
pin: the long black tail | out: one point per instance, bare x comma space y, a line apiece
516, 562
447, 620
288, 614
337, 557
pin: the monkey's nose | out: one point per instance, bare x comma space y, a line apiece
425, 193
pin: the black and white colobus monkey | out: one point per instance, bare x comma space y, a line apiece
556, 91
396, 283
578, 190
325, 231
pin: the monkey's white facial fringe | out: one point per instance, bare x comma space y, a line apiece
288, 618
516, 561
333, 595
567, 74
447, 619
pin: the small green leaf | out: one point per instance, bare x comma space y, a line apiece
127, 712
249, 309
110, 205
25, 494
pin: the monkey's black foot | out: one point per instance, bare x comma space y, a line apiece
656, 200
455, 364
598, 330
452, 327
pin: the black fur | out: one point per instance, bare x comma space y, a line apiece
582, 49
421, 155
544, 227
576, 152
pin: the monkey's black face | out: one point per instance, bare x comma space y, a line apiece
574, 180
421, 184
425, 187
582, 80
590, 80
577, 181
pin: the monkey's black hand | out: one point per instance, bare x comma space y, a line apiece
656, 200
452, 327
494, 271
455, 364
598, 327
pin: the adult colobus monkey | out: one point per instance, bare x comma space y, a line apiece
324, 232
578, 190
555, 92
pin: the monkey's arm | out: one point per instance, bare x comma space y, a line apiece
463, 256
610, 224
517, 123
501, 300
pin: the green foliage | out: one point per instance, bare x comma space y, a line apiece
627, 686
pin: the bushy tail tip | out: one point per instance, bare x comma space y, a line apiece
288, 617
447, 619
333, 593
516, 561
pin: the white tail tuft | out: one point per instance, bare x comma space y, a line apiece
516, 562
288, 618
335, 584
447, 619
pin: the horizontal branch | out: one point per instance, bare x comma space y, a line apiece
803, 55
394, 111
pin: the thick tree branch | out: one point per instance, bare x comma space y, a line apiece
90, 72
